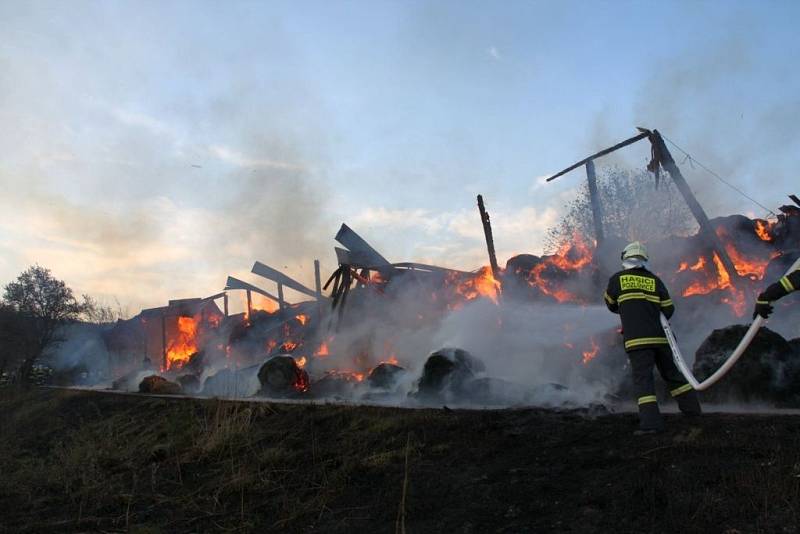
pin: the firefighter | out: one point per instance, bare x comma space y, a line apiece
639, 297
781, 288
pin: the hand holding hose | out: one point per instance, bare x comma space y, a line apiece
763, 308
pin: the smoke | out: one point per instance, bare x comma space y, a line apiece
738, 133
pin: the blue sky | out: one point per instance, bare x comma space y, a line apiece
152, 148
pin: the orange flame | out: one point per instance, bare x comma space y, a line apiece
302, 319
262, 303
762, 230
722, 281
588, 355
750, 267
480, 284
323, 350
288, 346
301, 362
571, 256
184, 345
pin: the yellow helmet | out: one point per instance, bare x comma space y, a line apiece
634, 249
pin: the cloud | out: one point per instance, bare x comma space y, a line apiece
381, 217
494, 53
234, 157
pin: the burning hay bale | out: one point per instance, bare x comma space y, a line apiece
768, 371
158, 385
385, 376
446, 371
281, 376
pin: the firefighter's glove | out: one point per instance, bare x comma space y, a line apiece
763, 309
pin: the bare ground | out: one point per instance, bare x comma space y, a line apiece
76, 461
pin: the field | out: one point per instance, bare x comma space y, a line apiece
77, 461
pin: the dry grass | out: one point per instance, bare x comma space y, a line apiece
81, 462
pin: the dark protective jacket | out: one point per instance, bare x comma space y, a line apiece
639, 297
781, 288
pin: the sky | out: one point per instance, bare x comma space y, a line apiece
151, 148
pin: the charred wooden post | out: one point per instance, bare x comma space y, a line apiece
281, 302
594, 198
487, 232
163, 340
249, 303
225, 303
663, 156
318, 286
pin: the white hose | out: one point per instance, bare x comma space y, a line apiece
725, 367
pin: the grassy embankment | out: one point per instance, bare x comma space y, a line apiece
88, 462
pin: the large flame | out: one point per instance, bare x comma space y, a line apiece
572, 256
480, 284
718, 281
184, 345
752, 268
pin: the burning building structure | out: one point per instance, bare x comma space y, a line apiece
536, 328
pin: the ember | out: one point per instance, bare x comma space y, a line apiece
588, 355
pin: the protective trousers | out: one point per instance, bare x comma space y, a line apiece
642, 362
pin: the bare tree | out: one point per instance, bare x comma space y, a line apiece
42, 304
633, 209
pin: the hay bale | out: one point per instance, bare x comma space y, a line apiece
281, 376
385, 376
446, 372
335, 384
189, 383
768, 370
227, 383
159, 385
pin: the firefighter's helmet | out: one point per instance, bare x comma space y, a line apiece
634, 249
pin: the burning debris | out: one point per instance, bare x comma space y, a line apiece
282, 376
367, 336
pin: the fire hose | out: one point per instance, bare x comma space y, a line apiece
725, 367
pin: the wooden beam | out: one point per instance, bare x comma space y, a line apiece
281, 302
357, 246
164, 340
318, 287
487, 232
706, 230
594, 198
249, 303
276, 276
624, 143
235, 283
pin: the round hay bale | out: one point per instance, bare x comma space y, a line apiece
767, 371
280, 375
159, 385
446, 371
189, 383
385, 376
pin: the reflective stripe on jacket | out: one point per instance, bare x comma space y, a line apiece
781, 288
639, 297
